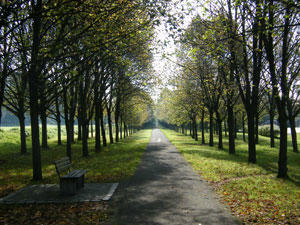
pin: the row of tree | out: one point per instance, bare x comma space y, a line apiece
240, 57
76, 60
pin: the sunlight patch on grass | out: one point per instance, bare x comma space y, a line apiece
251, 190
115, 162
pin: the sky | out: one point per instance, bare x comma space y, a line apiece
165, 67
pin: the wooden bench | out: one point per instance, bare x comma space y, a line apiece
70, 182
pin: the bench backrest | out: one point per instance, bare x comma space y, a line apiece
62, 165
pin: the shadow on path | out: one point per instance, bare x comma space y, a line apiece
166, 190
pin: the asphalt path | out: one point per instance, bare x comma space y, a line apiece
166, 190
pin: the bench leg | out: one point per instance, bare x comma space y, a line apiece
68, 186
81, 182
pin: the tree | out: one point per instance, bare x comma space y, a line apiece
293, 108
16, 101
279, 69
76, 54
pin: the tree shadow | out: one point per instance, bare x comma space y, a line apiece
266, 157
165, 190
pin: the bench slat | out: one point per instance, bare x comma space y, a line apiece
62, 160
62, 164
75, 173
63, 168
71, 182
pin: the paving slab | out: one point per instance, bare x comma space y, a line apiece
166, 190
50, 193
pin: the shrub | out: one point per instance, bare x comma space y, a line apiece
265, 130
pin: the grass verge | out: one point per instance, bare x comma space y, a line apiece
114, 163
252, 191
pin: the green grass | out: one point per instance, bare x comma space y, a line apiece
116, 162
251, 190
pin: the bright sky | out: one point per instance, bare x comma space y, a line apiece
164, 44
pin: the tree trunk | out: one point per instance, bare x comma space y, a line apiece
202, 128
121, 127
67, 123
102, 126
97, 128
58, 132
110, 128
2, 88
282, 161
69, 139
44, 130
211, 128
33, 76
85, 134
73, 107
280, 99
272, 138
22, 133
84, 120
251, 137
79, 119
282, 105
235, 125
219, 123
58, 120
231, 127
125, 129
291, 118
192, 128
79, 129
195, 129
233, 68
72, 128
4, 61
256, 127
294, 134
92, 129
117, 116
243, 123
225, 128
249, 91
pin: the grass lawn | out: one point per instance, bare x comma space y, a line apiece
253, 192
115, 163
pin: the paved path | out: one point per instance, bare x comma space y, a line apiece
166, 190
50, 193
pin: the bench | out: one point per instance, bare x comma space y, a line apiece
70, 182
